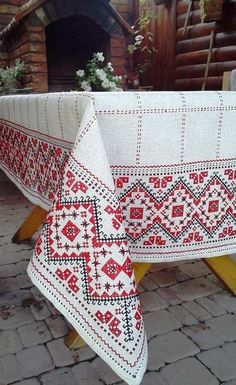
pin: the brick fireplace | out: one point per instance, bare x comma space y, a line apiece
56, 37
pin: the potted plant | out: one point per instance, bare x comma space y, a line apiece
97, 76
11, 76
211, 10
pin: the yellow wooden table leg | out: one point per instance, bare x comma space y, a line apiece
30, 225
73, 340
225, 269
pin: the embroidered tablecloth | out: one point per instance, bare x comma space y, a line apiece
127, 177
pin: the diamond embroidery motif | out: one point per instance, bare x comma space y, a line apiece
70, 230
111, 268
178, 211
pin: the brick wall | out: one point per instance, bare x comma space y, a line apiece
27, 42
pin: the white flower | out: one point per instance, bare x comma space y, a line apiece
80, 73
101, 74
109, 65
139, 37
86, 86
99, 56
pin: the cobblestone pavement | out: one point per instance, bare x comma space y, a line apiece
190, 321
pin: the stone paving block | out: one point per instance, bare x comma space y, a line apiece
179, 275
160, 322
163, 278
194, 288
221, 361
52, 308
86, 353
188, 371
13, 317
195, 270
225, 326
34, 361
197, 311
57, 326
9, 370
22, 266
63, 376
11, 253
211, 306
217, 281
233, 382
15, 298
37, 294
226, 300
87, 375
34, 333
169, 295
23, 281
10, 270
62, 356
40, 310
30, 381
9, 342
153, 378
148, 284
171, 347
104, 372
203, 336
8, 284
151, 301
182, 315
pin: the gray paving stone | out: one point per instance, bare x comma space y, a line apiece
194, 288
188, 371
225, 326
86, 353
8, 284
151, 301
13, 317
34, 361
221, 361
37, 294
203, 336
105, 373
233, 382
15, 298
62, 356
30, 381
172, 347
162, 278
11, 253
226, 300
169, 295
160, 322
148, 284
34, 333
57, 326
211, 306
8, 270
9, 370
179, 275
195, 269
62, 376
182, 315
22, 267
197, 311
9, 342
153, 378
23, 281
86, 374
40, 310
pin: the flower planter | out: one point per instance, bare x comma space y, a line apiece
211, 10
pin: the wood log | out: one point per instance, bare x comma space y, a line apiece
198, 30
200, 43
182, 7
213, 83
194, 18
197, 71
199, 57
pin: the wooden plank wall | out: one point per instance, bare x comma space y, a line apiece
192, 48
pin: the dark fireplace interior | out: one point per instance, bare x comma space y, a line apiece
70, 43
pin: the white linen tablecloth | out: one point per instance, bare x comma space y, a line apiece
128, 177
